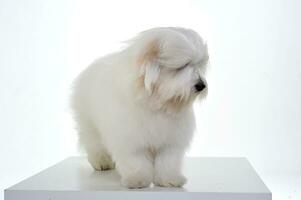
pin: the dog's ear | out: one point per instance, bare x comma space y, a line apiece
149, 64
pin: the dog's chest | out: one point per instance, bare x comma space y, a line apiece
161, 130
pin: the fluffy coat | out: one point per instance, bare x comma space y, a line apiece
133, 108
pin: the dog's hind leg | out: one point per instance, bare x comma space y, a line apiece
90, 139
100, 160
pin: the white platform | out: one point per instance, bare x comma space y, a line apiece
208, 179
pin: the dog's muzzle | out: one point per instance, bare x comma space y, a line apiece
199, 86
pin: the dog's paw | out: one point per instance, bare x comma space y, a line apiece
136, 181
102, 164
170, 181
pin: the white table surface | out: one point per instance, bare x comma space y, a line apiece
208, 178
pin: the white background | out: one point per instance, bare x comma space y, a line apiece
254, 104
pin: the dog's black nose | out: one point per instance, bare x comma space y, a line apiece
200, 86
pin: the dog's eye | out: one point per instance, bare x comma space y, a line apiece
182, 67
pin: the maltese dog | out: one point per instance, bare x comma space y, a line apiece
133, 108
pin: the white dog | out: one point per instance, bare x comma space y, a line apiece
133, 108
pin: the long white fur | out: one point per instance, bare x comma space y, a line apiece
134, 127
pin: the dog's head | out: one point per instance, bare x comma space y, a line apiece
171, 65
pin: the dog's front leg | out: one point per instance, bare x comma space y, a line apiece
168, 164
135, 168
